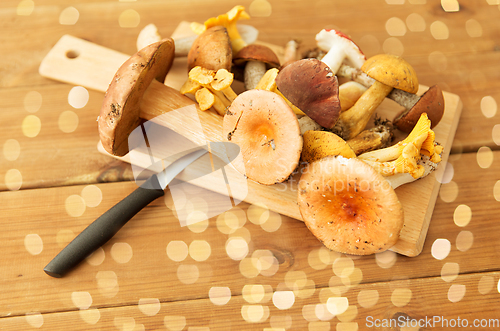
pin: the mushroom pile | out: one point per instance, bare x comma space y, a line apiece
314, 117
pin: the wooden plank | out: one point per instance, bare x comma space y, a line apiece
38, 221
360, 306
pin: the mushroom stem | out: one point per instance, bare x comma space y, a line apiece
254, 71
291, 49
352, 121
371, 139
397, 180
403, 98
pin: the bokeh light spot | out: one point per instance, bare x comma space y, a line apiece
473, 28
34, 319
283, 299
33, 243
32, 101
219, 295
496, 190
11, 149
400, 297
68, 121
129, 18
449, 271
449, 191
464, 241
13, 179
439, 30
438, 61
489, 106
440, 248
121, 252
393, 46
456, 292
484, 157
97, 257
368, 298
415, 22
75, 205
90, 316
395, 27
31, 126
462, 215
25, 7
78, 97
199, 250
177, 250
69, 16
188, 273
81, 299
149, 306
174, 323
485, 284
92, 195
260, 8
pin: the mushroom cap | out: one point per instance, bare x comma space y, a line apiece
337, 41
310, 85
257, 52
349, 207
121, 106
211, 50
431, 102
392, 70
268, 134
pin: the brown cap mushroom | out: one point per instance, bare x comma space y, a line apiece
211, 50
349, 206
121, 106
256, 59
431, 102
268, 134
389, 72
310, 85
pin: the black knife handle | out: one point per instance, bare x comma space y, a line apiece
104, 228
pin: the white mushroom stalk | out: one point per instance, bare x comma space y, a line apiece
340, 48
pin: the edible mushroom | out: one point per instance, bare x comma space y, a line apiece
229, 21
211, 50
121, 106
310, 85
340, 48
432, 101
349, 207
135, 95
268, 134
389, 72
256, 59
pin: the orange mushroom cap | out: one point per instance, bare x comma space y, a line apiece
349, 207
267, 131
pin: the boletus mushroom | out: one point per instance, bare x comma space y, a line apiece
389, 72
211, 50
310, 85
268, 134
349, 206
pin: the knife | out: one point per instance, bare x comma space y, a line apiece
108, 224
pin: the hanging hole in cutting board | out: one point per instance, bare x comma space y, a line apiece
72, 54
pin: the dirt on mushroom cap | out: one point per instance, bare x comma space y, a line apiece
349, 207
268, 134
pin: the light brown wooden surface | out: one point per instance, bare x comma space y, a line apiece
138, 285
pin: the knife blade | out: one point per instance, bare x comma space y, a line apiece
108, 224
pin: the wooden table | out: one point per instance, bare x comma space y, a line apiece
246, 269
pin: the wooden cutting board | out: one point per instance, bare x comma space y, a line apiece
75, 61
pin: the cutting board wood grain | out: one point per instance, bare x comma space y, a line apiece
80, 62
